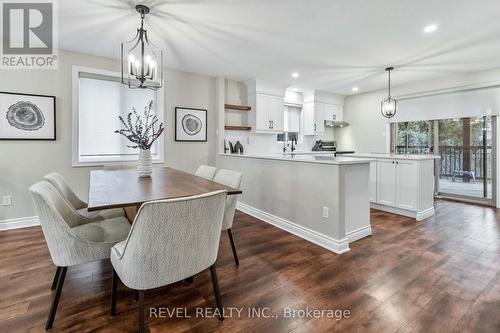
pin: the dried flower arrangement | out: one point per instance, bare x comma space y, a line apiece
143, 130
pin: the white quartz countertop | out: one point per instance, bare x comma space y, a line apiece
320, 158
393, 156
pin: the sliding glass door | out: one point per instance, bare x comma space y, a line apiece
465, 146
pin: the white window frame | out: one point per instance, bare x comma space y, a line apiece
110, 160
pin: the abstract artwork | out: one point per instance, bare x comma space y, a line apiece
190, 124
27, 117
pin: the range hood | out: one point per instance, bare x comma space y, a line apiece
335, 124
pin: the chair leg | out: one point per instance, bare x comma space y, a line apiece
114, 282
140, 327
136, 295
235, 255
56, 278
215, 285
55, 300
189, 280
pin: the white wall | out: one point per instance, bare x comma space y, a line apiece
367, 128
24, 162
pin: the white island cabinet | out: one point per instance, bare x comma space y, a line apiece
402, 184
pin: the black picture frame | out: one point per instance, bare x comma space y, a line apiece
178, 137
54, 120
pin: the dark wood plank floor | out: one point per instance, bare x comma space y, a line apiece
438, 275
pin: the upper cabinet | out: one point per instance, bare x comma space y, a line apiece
334, 112
318, 107
267, 102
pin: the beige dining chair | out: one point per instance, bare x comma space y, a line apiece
60, 183
72, 240
232, 179
170, 240
206, 171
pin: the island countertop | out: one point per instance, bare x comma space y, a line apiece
320, 158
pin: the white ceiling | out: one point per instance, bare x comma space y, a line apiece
333, 44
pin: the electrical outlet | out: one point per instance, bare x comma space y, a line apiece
6, 200
325, 212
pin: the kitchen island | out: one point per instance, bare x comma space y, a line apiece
402, 184
318, 197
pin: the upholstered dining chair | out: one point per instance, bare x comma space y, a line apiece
58, 181
232, 179
170, 240
206, 171
72, 240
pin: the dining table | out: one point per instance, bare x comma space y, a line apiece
123, 188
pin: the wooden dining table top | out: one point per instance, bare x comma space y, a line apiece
123, 188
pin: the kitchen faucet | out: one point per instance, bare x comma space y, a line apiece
294, 147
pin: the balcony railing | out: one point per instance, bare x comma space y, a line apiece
452, 159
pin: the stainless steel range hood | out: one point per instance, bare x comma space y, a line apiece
335, 124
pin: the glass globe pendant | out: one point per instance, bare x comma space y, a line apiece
141, 60
389, 105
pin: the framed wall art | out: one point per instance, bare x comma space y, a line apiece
27, 116
190, 124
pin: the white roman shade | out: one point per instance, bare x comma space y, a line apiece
99, 98
458, 104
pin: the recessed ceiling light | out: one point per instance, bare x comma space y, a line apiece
354, 89
295, 75
430, 28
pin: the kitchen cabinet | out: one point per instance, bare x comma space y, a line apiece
333, 112
315, 114
397, 183
386, 182
314, 118
402, 184
406, 184
268, 110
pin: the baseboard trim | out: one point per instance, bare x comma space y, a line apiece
22, 222
329, 243
357, 234
419, 216
425, 214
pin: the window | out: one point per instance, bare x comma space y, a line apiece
414, 137
98, 99
291, 124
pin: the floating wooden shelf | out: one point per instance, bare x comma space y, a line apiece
237, 107
237, 128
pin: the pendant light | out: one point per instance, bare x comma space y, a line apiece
141, 60
389, 105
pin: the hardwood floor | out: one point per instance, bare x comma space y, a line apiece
438, 275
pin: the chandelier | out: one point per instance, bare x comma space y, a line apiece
389, 105
141, 60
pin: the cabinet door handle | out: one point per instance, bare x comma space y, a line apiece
269, 124
397, 162
392, 162
272, 124
315, 127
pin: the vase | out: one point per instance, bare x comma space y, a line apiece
145, 164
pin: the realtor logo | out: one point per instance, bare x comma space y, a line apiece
29, 36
